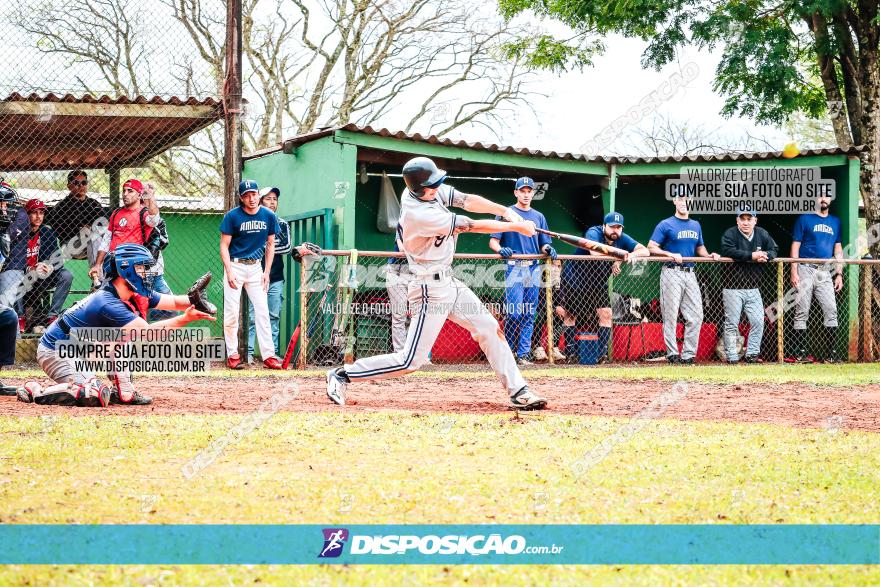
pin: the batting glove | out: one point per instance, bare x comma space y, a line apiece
505, 252
550, 252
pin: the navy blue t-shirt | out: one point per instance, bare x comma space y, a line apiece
817, 235
521, 244
249, 231
589, 274
102, 309
679, 236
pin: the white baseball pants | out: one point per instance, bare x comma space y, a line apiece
431, 302
249, 277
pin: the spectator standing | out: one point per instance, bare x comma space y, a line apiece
751, 247
275, 295
75, 212
679, 236
247, 234
816, 236
522, 282
131, 223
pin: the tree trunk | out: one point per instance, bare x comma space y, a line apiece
870, 158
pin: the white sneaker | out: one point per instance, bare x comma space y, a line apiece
335, 387
539, 354
525, 400
557, 355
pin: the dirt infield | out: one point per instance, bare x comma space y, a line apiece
856, 407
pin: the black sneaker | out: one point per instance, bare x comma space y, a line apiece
137, 400
686, 361
753, 359
673, 358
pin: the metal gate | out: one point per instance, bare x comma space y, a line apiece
316, 227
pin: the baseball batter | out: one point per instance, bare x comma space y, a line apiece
679, 236
816, 236
427, 232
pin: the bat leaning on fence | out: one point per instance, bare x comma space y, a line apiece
587, 244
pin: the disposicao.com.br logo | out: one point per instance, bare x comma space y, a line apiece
403, 544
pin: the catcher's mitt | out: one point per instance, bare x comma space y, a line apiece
198, 297
298, 256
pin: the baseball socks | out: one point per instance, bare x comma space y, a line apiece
829, 344
604, 338
797, 346
570, 345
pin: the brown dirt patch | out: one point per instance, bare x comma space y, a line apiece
789, 404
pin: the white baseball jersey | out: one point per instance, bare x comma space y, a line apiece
425, 231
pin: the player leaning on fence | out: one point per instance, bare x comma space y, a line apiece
584, 291
751, 247
679, 236
247, 233
816, 236
428, 232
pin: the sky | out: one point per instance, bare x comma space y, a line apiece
580, 104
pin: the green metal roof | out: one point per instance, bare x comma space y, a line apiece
354, 130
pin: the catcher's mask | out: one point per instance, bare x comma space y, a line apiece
134, 264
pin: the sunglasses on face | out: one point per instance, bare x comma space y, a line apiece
79, 182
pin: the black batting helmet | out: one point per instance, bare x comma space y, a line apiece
421, 173
7, 192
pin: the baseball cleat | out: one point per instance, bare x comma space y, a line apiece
234, 362
523, 361
525, 400
540, 354
272, 363
557, 355
137, 400
8, 390
336, 387
26, 394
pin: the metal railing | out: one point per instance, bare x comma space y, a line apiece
592, 310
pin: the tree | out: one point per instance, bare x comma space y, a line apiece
779, 59
663, 136
432, 66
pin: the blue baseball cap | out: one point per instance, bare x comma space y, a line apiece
525, 182
613, 219
247, 185
746, 210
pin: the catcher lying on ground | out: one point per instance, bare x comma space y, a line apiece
122, 302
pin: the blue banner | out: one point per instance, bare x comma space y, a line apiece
441, 544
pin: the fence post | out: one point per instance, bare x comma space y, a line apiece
867, 321
349, 302
780, 312
303, 318
548, 273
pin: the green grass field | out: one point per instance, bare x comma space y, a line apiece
337, 468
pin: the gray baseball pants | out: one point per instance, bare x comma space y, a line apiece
815, 281
737, 301
680, 292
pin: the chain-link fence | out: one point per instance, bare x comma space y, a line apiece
92, 95
586, 310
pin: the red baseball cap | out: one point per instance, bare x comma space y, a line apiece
134, 184
34, 204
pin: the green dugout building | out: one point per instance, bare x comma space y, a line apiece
331, 180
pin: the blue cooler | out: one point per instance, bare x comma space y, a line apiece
588, 347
